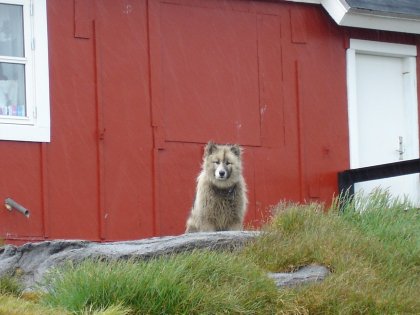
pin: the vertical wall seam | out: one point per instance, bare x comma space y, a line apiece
154, 152
44, 192
300, 130
100, 135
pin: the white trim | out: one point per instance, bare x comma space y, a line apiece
344, 16
42, 92
410, 89
352, 108
18, 2
336, 9
36, 126
409, 53
385, 23
382, 48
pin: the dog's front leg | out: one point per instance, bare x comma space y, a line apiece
207, 227
235, 227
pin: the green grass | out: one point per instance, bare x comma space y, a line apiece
201, 282
10, 305
392, 221
10, 285
373, 255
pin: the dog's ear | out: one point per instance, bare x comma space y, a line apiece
236, 149
210, 148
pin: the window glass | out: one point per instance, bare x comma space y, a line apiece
11, 30
24, 79
12, 74
12, 89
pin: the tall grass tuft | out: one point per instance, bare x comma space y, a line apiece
195, 283
373, 254
393, 220
11, 305
9, 285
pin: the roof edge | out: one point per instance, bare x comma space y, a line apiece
344, 15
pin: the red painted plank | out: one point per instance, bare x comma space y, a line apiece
123, 83
20, 165
298, 25
83, 18
209, 77
271, 81
179, 165
72, 153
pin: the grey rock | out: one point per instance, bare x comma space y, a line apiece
308, 274
33, 260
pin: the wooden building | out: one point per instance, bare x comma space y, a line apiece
105, 105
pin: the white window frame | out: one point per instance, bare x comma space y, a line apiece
409, 54
35, 126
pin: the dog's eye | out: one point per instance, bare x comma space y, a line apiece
228, 163
216, 162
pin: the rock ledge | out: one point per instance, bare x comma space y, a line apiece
33, 260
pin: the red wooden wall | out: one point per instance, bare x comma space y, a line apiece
137, 88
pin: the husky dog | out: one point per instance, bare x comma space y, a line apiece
220, 201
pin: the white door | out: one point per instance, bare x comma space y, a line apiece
383, 117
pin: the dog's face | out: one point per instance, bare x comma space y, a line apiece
222, 164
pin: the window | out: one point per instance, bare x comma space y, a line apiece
24, 87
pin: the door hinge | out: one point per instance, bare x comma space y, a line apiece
401, 149
31, 13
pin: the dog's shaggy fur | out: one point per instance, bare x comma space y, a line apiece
220, 201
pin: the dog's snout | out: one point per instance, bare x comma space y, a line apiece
222, 173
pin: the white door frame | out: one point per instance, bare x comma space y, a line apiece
408, 53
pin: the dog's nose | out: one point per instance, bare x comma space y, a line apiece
222, 173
